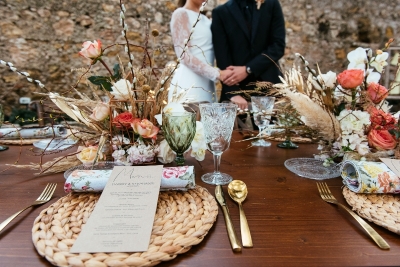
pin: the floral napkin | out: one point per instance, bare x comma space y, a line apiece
369, 177
26, 133
173, 178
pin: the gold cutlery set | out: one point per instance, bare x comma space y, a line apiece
237, 190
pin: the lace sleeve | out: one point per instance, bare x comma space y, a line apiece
180, 30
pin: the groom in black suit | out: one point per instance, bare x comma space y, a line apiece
243, 31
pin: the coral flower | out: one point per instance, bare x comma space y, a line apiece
377, 92
381, 139
145, 128
351, 79
123, 120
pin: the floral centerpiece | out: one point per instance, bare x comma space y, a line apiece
122, 116
347, 113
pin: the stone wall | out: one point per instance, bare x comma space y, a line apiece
44, 37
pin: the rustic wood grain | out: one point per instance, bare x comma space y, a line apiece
289, 222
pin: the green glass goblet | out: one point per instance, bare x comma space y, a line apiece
179, 130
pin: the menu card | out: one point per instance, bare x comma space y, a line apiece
123, 217
393, 165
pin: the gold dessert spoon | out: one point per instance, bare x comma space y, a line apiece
237, 190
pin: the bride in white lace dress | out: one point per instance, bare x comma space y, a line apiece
196, 71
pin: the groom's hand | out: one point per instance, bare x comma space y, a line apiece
240, 101
238, 74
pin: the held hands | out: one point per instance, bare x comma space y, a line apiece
238, 74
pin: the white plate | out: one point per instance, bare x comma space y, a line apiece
312, 168
54, 144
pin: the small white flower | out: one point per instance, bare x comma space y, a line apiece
123, 8
297, 54
29, 79
13, 69
122, 15
25, 74
357, 58
132, 57
201, 8
2, 62
121, 90
123, 34
10, 64
379, 61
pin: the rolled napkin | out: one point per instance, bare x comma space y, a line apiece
33, 133
369, 177
173, 178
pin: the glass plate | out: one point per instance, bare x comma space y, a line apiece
101, 165
312, 168
54, 144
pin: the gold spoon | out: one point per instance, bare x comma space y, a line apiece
237, 190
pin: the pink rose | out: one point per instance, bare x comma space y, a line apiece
84, 188
381, 139
67, 187
170, 173
377, 92
350, 79
100, 112
91, 50
145, 128
123, 120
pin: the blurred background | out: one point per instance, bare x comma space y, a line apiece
43, 38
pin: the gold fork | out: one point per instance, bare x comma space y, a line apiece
327, 196
43, 198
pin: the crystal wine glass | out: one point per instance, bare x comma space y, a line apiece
1, 122
262, 108
179, 130
218, 120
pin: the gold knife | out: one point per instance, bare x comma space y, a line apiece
219, 194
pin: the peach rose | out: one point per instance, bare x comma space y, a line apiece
100, 112
381, 120
145, 128
381, 140
88, 154
350, 79
91, 50
377, 92
123, 120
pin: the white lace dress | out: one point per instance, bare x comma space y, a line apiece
196, 70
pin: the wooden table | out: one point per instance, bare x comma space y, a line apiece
290, 224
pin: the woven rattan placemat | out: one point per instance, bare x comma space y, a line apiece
381, 209
182, 220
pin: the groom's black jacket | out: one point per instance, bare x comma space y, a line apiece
235, 45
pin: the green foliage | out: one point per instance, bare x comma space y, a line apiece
105, 82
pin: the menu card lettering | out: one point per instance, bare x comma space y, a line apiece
123, 217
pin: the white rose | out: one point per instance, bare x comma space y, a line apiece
122, 90
165, 154
100, 112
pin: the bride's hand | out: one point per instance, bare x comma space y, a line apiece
224, 75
